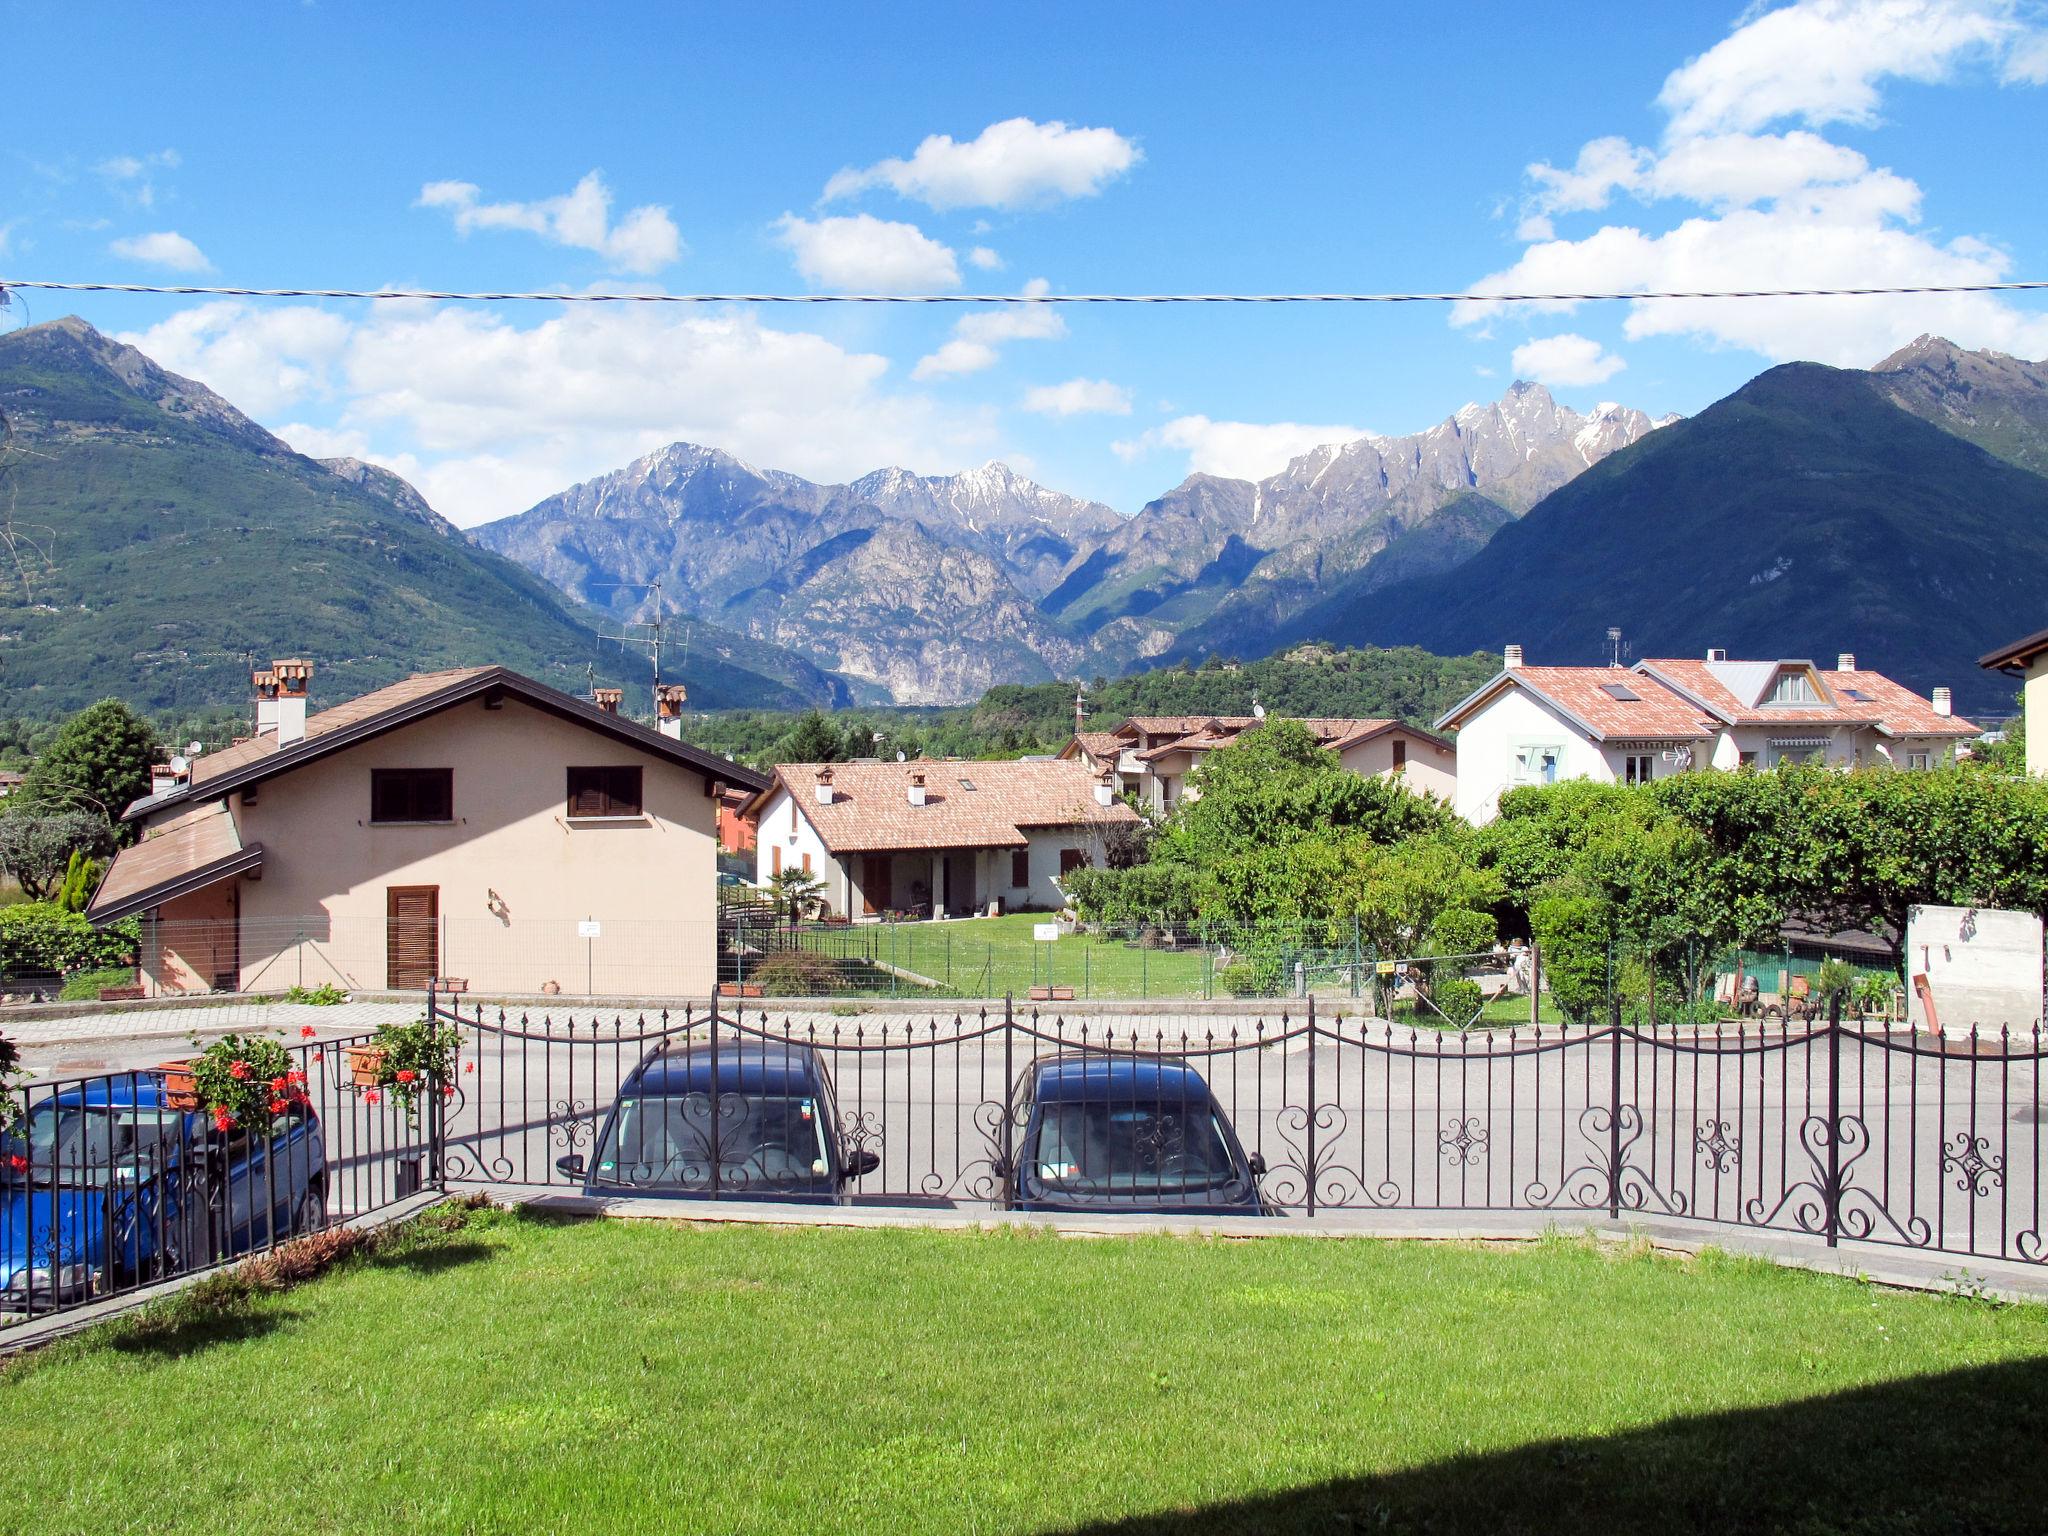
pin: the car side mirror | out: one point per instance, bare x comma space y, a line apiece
572, 1165
1257, 1164
862, 1162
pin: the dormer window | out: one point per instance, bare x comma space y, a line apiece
1793, 688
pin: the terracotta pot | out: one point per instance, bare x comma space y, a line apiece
738, 989
179, 1088
366, 1065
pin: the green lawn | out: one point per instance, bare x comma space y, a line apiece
523, 1375
995, 956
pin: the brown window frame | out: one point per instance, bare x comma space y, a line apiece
605, 792
387, 782
1400, 754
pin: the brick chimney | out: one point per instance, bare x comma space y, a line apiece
1845, 662
294, 678
1511, 656
669, 699
914, 791
824, 786
607, 699
1944, 704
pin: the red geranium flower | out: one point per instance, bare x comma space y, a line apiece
16, 1161
372, 1097
295, 1076
469, 1066
239, 1071
223, 1121
277, 1106
406, 1074
307, 1032
277, 1083
447, 1090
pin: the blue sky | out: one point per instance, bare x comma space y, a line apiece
1085, 148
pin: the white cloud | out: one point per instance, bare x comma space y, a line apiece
977, 336
864, 254
1079, 397
1789, 209
645, 240
1822, 61
1566, 360
488, 417
984, 258
1238, 450
164, 248
132, 177
1017, 163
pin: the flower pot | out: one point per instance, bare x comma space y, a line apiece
180, 1090
366, 1065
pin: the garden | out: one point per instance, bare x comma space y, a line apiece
492, 1370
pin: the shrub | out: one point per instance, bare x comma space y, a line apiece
41, 936
326, 995
1257, 975
1572, 937
1835, 978
414, 1057
85, 986
796, 973
1457, 999
246, 1081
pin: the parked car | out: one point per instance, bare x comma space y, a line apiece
1114, 1133
751, 1120
106, 1183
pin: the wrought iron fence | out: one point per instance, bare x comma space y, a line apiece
1834, 1129
107, 1186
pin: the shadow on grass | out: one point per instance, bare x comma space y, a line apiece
182, 1330
431, 1258
1964, 1450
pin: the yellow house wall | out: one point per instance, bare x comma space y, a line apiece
515, 875
2035, 703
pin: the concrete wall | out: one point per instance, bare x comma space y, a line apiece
2034, 705
1490, 740
1983, 966
514, 874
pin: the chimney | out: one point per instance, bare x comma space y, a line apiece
294, 678
1943, 704
1845, 662
669, 699
1105, 789
1511, 657
915, 789
825, 796
264, 681
607, 699
1716, 653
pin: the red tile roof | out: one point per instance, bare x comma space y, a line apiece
871, 810
1657, 714
1889, 705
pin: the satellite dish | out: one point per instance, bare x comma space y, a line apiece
899, 757
195, 749
179, 765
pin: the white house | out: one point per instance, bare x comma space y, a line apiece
1152, 755
1536, 725
940, 837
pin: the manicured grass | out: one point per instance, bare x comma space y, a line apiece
996, 956
521, 1375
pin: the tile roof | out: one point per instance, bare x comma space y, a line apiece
1101, 746
1330, 731
1659, 714
871, 810
188, 853
212, 765
1891, 706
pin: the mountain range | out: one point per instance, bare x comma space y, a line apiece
931, 589
154, 540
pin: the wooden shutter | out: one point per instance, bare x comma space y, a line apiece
1020, 869
412, 947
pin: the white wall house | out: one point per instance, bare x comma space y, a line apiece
1537, 725
936, 838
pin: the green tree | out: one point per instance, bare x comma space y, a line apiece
38, 848
99, 762
798, 894
81, 879
811, 740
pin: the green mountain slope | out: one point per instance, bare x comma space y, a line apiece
1803, 515
154, 537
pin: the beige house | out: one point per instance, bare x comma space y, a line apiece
1152, 755
935, 838
2028, 660
471, 824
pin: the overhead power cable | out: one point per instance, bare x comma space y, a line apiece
450, 296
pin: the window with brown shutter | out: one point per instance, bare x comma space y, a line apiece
1020, 869
604, 792
1400, 754
412, 794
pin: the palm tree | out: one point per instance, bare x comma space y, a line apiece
797, 894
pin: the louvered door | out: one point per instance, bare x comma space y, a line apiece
412, 947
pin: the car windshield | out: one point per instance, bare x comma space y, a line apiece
762, 1142
1100, 1147
85, 1144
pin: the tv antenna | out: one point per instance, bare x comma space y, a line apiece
1614, 643
645, 634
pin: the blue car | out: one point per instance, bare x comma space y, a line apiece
749, 1121
1112, 1133
104, 1184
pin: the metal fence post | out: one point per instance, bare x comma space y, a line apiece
1614, 1107
437, 1120
713, 1135
1009, 1098
1834, 1190
1308, 1170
